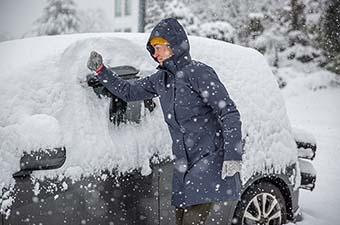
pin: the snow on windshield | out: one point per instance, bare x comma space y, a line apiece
44, 105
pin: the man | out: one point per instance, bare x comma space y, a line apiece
203, 121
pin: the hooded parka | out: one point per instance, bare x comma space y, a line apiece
203, 121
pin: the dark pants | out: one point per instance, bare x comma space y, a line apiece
193, 215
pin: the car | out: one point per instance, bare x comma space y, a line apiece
45, 191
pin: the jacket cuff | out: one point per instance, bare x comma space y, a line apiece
233, 154
100, 69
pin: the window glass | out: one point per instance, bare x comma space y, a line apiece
127, 7
118, 8
127, 30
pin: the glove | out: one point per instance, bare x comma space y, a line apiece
95, 62
230, 168
98, 88
93, 81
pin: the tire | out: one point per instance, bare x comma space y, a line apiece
250, 211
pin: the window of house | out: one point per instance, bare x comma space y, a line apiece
127, 30
118, 8
127, 7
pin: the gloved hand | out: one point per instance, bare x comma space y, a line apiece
95, 61
230, 168
93, 81
98, 88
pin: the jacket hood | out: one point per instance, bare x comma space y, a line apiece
174, 33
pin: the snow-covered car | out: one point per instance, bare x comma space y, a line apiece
69, 157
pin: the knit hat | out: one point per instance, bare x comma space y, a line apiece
158, 41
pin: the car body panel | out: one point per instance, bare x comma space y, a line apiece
127, 199
122, 199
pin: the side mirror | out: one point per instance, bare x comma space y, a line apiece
47, 159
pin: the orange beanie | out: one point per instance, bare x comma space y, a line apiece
158, 41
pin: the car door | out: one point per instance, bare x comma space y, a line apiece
107, 198
167, 211
2, 218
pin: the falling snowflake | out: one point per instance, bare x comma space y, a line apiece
181, 166
180, 74
205, 94
222, 104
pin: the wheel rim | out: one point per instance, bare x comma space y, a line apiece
263, 209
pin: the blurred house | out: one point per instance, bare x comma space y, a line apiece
129, 15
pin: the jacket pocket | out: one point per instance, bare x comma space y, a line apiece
201, 157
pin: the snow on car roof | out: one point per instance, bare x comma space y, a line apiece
44, 105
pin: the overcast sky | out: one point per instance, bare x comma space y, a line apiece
17, 16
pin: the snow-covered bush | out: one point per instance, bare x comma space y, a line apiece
93, 20
255, 26
220, 30
177, 9
301, 48
153, 14
158, 10
304, 54
334, 64
5, 37
269, 43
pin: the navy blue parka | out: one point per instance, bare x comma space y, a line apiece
203, 121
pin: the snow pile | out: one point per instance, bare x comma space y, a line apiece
33, 132
300, 79
43, 104
303, 136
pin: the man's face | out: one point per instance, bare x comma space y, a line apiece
162, 52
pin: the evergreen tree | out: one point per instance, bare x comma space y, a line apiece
331, 35
331, 27
177, 9
297, 15
59, 17
153, 14
160, 9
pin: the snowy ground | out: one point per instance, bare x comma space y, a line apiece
319, 113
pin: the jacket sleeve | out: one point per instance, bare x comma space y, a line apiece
129, 91
215, 95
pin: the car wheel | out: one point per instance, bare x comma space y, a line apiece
261, 204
